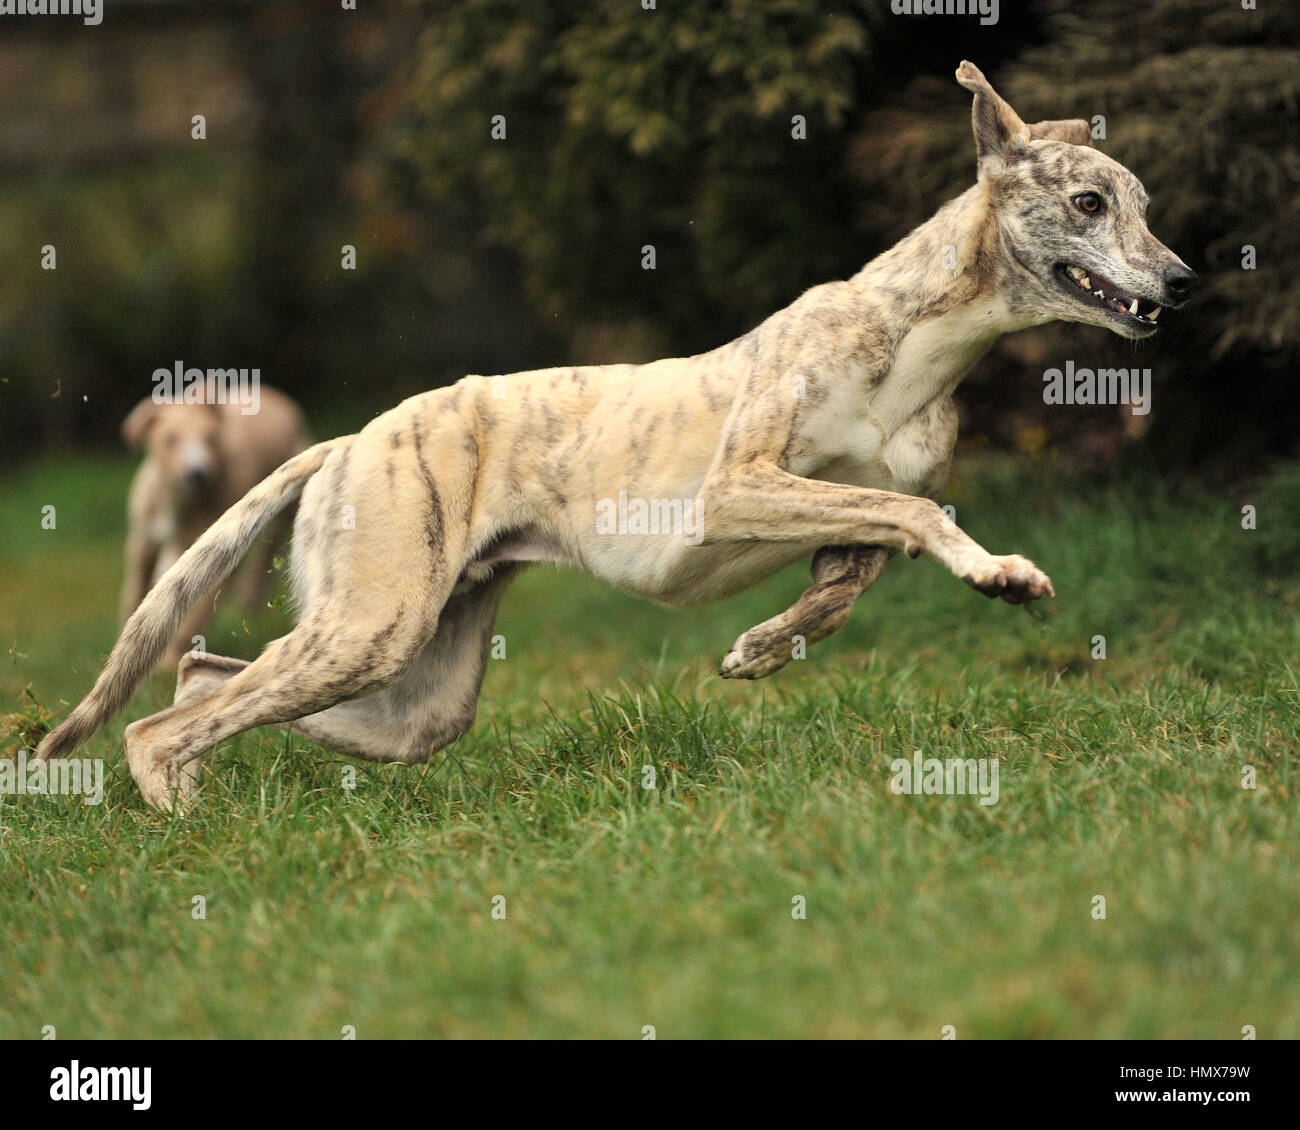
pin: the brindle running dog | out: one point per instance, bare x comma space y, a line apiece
813, 434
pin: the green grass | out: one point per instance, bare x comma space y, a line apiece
628, 907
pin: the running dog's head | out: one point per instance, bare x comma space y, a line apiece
1072, 221
183, 439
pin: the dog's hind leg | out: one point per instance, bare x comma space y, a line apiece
321, 663
198, 674
435, 700
428, 707
376, 586
841, 573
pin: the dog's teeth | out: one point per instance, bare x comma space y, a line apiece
1133, 309
1076, 272
1098, 294
1154, 314
1086, 282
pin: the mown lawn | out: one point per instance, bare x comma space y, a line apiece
627, 907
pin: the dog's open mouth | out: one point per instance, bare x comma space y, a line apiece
1091, 287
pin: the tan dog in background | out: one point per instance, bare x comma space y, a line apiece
200, 459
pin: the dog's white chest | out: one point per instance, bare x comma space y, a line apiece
912, 459
932, 359
162, 527
900, 435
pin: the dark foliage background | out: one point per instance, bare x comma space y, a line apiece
625, 127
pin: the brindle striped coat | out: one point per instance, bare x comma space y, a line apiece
819, 432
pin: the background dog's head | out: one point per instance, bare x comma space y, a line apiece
1073, 221
183, 439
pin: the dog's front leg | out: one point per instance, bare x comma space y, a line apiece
841, 574
140, 559
758, 501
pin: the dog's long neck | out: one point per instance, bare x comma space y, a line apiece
955, 259
939, 297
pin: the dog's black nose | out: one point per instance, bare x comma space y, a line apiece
197, 477
1179, 281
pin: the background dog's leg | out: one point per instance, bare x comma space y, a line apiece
841, 573
258, 569
140, 558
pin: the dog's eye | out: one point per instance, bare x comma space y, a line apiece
1088, 202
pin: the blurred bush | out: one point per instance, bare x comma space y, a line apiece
671, 127
226, 251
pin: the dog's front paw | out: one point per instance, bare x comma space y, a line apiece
754, 659
1016, 579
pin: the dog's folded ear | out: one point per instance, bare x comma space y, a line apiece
137, 422
1000, 136
1075, 131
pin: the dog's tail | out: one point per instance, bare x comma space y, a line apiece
207, 562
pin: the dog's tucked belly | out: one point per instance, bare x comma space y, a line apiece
694, 575
660, 568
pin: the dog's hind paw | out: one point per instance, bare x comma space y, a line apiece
747, 661
1016, 579
163, 784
